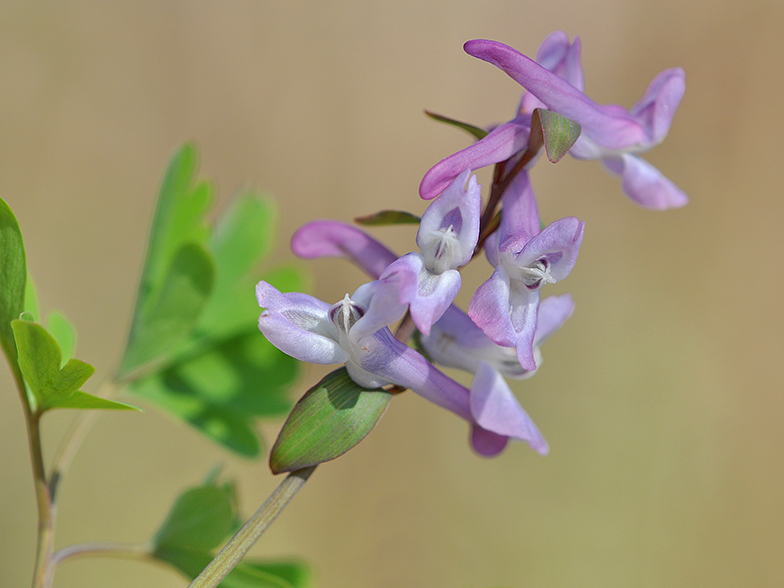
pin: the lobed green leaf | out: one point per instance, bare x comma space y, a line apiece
331, 418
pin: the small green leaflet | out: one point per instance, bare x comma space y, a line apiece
331, 418
52, 386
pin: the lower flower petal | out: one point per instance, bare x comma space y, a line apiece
645, 184
495, 408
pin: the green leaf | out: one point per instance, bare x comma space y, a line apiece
13, 274
39, 360
31, 298
331, 418
161, 328
556, 132
64, 333
223, 389
53, 386
388, 217
296, 573
200, 520
178, 227
477, 132
242, 238
83, 400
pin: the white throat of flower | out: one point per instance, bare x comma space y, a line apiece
534, 275
442, 250
344, 315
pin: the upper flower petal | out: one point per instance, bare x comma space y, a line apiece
611, 126
560, 57
449, 228
326, 238
645, 184
499, 145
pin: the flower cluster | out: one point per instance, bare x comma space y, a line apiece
506, 322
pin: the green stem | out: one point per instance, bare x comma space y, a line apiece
43, 500
246, 537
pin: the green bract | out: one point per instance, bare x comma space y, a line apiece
556, 132
331, 418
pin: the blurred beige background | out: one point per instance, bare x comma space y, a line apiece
661, 398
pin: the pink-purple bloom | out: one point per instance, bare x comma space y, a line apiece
313, 331
426, 283
610, 133
506, 306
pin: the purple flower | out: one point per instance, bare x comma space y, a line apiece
428, 282
455, 341
313, 331
609, 133
505, 307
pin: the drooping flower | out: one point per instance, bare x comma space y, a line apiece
313, 331
506, 306
609, 133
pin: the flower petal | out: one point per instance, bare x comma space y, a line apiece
326, 238
499, 145
559, 243
560, 57
645, 184
657, 107
486, 443
495, 408
489, 308
611, 126
553, 313
458, 207
299, 326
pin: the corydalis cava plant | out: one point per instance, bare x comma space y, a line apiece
411, 298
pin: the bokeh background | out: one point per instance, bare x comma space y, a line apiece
661, 398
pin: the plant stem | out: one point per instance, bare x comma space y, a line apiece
246, 537
43, 500
120, 550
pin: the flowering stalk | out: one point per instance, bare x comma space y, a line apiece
252, 530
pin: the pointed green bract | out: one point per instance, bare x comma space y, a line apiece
477, 132
13, 274
556, 132
388, 217
331, 418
